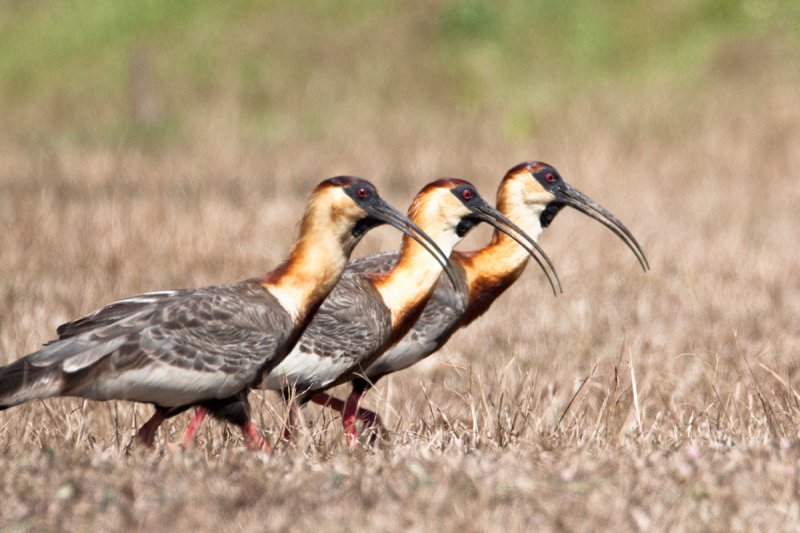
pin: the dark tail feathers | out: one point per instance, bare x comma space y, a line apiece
22, 382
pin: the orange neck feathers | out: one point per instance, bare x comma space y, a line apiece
497, 265
409, 284
406, 287
315, 262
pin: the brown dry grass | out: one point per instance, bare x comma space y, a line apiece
659, 401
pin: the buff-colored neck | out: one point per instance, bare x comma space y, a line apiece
313, 268
503, 257
411, 281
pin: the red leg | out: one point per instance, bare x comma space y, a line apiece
291, 422
199, 415
147, 433
368, 417
349, 417
321, 398
252, 439
372, 421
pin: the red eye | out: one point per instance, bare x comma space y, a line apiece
362, 193
466, 194
550, 177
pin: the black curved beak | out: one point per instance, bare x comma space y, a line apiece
568, 195
383, 212
492, 216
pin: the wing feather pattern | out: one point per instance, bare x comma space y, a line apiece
169, 348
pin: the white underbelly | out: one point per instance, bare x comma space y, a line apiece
306, 370
163, 385
400, 356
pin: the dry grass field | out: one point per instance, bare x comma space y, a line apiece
666, 400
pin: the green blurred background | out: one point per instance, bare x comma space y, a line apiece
86, 71
280, 80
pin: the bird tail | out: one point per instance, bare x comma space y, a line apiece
22, 382
59, 368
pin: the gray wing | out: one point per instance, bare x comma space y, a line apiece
374, 264
177, 349
116, 311
348, 331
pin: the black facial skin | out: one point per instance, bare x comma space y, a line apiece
469, 222
368, 197
462, 191
551, 181
550, 213
362, 192
549, 178
364, 225
466, 225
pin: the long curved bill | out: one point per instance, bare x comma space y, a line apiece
388, 214
572, 197
492, 216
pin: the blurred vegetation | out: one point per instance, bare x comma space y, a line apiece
130, 71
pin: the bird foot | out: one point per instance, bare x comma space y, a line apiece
147, 433
291, 423
350, 431
188, 437
373, 425
253, 440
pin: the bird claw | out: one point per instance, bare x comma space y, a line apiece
188, 437
373, 427
147, 433
253, 440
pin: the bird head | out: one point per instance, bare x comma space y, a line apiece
536, 190
448, 208
353, 206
